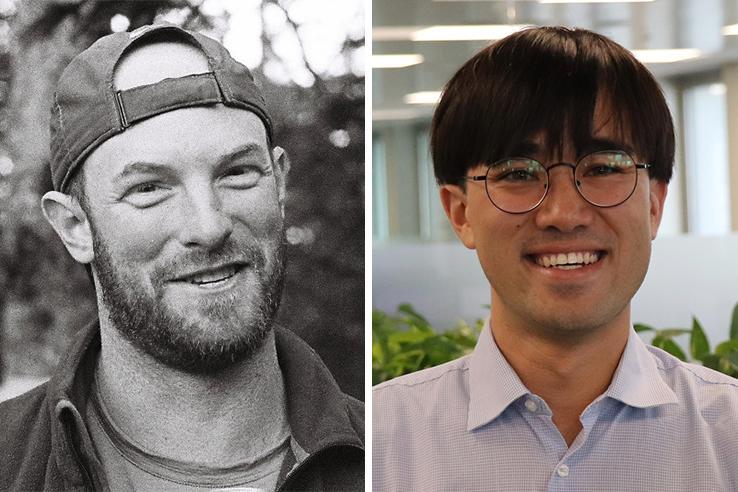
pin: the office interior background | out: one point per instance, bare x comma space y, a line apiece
691, 46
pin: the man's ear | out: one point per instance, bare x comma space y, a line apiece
71, 224
657, 196
282, 168
454, 200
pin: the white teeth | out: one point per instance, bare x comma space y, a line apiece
214, 276
568, 261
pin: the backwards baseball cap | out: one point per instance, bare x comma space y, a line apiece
89, 110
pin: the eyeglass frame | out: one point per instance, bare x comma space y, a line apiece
573, 167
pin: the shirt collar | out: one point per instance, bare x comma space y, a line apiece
494, 384
637, 381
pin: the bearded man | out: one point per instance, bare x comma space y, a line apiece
167, 184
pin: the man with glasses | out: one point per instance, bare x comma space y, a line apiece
553, 149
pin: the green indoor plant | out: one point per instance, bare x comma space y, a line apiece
406, 342
723, 359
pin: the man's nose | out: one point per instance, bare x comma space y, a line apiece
205, 222
563, 208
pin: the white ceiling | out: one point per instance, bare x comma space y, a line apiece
657, 24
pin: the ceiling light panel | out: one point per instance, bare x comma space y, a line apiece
423, 97
396, 61
666, 56
478, 32
731, 30
594, 1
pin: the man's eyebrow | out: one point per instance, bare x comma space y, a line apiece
526, 149
145, 167
597, 144
246, 150
532, 149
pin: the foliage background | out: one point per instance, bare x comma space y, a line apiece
406, 342
45, 297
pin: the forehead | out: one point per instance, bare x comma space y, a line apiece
188, 140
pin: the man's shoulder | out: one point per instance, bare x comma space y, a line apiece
25, 439
18, 413
432, 376
412, 414
422, 389
690, 378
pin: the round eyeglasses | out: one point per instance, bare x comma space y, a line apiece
518, 185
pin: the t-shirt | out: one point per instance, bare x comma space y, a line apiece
129, 466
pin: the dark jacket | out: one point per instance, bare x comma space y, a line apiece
44, 444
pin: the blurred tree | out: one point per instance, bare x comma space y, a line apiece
45, 296
322, 128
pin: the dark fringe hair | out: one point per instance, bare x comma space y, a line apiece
547, 80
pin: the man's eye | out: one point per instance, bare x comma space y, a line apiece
144, 188
516, 175
604, 170
242, 176
145, 194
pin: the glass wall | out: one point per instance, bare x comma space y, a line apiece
689, 46
706, 158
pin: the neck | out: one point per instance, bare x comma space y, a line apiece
210, 419
568, 371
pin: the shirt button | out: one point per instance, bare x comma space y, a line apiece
531, 405
562, 471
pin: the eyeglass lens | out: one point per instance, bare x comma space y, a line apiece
604, 179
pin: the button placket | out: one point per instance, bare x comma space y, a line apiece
562, 471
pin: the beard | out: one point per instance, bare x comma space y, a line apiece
150, 324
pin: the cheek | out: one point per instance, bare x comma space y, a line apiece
495, 246
632, 225
133, 237
259, 213
141, 235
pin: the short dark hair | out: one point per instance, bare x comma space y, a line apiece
547, 80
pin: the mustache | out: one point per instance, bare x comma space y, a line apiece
229, 251
550, 237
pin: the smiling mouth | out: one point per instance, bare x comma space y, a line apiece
212, 277
568, 261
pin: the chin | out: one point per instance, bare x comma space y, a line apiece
578, 322
196, 350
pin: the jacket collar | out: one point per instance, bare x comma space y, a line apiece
67, 396
318, 411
